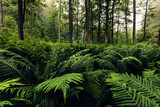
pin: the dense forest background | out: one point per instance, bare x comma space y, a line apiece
85, 21
87, 53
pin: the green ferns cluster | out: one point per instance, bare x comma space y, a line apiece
75, 75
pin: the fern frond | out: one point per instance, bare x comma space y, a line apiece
4, 103
93, 82
151, 76
9, 70
132, 90
130, 64
8, 83
60, 83
22, 92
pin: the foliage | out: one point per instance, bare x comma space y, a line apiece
75, 74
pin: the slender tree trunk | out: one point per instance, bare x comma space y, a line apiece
59, 30
70, 22
112, 21
77, 23
118, 28
134, 21
126, 23
145, 20
92, 21
1, 15
99, 22
159, 38
107, 20
20, 20
87, 8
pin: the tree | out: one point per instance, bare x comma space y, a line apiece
70, 22
21, 17
99, 21
134, 21
145, 20
92, 20
87, 9
126, 19
59, 22
1, 15
113, 6
107, 22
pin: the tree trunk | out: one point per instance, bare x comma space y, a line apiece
145, 20
87, 8
112, 21
126, 23
118, 28
92, 21
77, 23
107, 20
1, 15
134, 21
99, 22
70, 22
20, 20
59, 30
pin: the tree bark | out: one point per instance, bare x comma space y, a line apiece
134, 21
70, 22
92, 21
1, 15
87, 8
113, 5
107, 24
59, 30
99, 22
77, 23
118, 28
126, 23
145, 20
20, 20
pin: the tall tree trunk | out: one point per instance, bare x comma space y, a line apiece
87, 8
59, 30
107, 24
70, 22
1, 15
118, 28
134, 21
145, 20
92, 21
113, 5
126, 23
20, 20
77, 23
99, 22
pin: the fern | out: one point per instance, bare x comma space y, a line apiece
152, 76
94, 82
132, 90
8, 83
4, 103
60, 83
130, 65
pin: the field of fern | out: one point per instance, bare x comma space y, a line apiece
42, 74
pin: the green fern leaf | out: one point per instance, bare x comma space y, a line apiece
60, 83
130, 90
